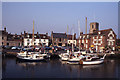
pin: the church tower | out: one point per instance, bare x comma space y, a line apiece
94, 26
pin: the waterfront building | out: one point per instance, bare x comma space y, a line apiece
59, 39
71, 39
63, 39
39, 39
8, 39
3, 37
97, 39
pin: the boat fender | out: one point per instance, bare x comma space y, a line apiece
81, 61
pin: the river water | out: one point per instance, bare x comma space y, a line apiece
12, 68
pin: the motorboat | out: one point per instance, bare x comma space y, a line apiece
32, 57
91, 61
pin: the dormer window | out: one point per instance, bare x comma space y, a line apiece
80, 37
28, 36
43, 36
92, 26
83, 37
87, 36
99, 32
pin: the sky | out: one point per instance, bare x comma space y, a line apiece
55, 16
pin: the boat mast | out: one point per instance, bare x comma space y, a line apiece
86, 31
86, 26
79, 33
73, 41
33, 34
67, 36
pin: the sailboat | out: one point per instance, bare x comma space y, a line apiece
32, 56
65, 56
74, 56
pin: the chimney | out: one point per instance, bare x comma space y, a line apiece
37, 33
65, 32
24, 32
47, 34
52, 32
81, 33
5, 29
74, 35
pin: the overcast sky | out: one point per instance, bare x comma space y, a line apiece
55, 16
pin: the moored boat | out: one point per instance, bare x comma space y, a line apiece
32, 57
92, 61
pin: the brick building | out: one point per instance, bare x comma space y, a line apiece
97, 39
71, 39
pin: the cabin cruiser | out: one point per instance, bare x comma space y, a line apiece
31, 57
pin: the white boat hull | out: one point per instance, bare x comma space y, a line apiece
29, 58
91, 62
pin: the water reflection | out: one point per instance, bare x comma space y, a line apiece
59, 69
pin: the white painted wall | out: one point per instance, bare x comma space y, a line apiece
72, 41
37, 41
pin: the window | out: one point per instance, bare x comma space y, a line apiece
8, 44
113, 48
44, 40
60, 39
54, 43
27, 39
43, 36
19, 44
28, 36
99, 32
86, 41
87, 36
112, 43
83, 37
92, 26
27, 43
80, 37
82, 41
74, 41
111, 37
86, 46
69, 41
2, 37
2, 43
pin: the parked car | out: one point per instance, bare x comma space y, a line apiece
48, 48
